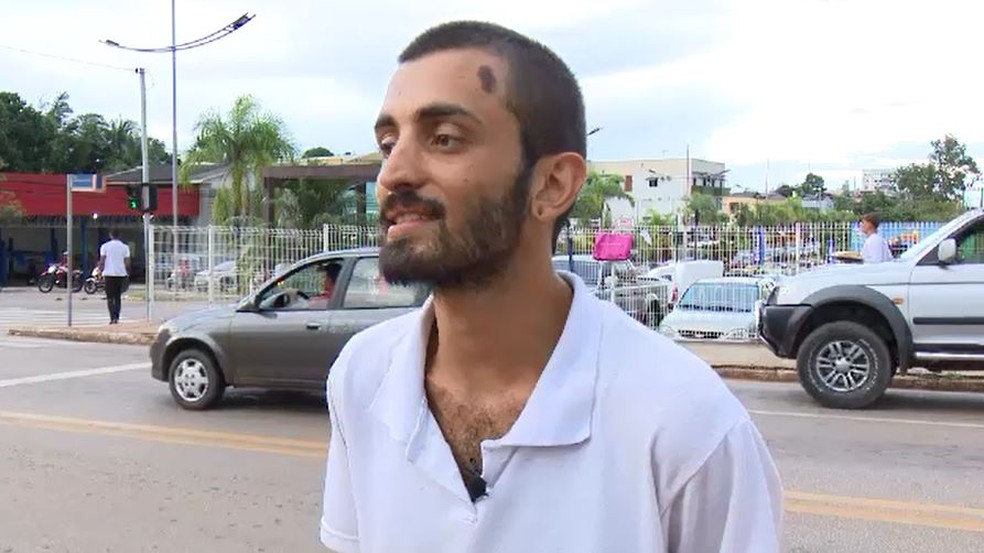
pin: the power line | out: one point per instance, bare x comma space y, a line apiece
63, 58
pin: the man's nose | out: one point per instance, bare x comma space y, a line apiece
402, 168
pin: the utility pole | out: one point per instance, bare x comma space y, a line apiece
145, 178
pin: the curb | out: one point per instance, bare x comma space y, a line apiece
91, 336
928, 382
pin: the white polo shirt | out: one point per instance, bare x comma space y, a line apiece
628, 443
116, 254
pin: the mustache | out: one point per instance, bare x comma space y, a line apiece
409, 200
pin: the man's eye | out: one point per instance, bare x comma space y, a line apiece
386, 147
445, 140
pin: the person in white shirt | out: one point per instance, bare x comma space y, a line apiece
875, 248
114, 264
516, 411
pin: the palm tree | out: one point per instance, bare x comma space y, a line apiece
245, 141
597, 190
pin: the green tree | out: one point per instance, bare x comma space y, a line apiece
955, 170
597, 189
704, 209
245, 140
11, 210
25, 137
310, 204
317, 151
812, 186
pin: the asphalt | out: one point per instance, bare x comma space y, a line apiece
95, 457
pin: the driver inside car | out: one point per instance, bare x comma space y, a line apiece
291, 297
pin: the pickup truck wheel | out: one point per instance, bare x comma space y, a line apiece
844, 365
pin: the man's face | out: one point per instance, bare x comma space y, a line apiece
453, 192
867, 227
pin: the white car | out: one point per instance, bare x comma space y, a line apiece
723, 308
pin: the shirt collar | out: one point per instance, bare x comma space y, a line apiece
558, 412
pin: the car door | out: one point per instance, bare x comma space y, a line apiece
946, 303
367, 300
284, 340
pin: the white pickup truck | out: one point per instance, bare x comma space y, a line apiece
851, 328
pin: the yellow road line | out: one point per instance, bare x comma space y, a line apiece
951, 517
186, 436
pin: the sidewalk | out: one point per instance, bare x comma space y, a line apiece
140, 333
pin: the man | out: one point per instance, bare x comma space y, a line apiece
114, 264
875, 249
516, 412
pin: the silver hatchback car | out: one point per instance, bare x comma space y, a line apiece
284, 336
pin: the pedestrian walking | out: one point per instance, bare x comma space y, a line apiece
516, 411
114, 265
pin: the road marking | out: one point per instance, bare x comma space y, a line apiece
951, 517
71, 374
36, 343
856, 418
185, 436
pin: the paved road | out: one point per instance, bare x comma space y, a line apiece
28, 307
95, 457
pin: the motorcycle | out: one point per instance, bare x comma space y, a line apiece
57, 275
96, 283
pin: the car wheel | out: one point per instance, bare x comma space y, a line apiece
195, 381
844, 365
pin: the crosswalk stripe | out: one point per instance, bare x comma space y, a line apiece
20, 316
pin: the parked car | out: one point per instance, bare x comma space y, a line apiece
721, 309
646, 301
682, 274
224, 277
286, 335
851, 327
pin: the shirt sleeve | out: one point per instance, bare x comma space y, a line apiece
339, 525
733, 503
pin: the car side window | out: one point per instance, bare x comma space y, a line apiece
367, 289
970, 246
309, 289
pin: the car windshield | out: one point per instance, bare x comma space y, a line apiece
720, 296
919, 248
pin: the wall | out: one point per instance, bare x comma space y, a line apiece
666, 194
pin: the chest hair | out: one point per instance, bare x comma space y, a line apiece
465, 423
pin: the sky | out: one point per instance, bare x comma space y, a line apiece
772, 88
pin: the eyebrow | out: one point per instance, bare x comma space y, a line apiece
439, 110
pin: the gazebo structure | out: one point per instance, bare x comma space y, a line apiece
354, 173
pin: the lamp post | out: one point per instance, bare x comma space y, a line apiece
173, 49
570, 235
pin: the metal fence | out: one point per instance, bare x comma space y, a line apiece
223, 263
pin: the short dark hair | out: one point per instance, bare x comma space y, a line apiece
872, 218
114, 233
541, 91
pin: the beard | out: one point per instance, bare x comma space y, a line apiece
468, 258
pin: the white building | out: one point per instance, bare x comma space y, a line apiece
873, 180
661, 185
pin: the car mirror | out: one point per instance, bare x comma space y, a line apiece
946, 252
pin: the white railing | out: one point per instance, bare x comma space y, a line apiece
224, 263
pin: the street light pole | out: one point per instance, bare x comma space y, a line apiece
173, 49
174, 136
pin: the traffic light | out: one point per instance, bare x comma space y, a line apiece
142, 197
133, 199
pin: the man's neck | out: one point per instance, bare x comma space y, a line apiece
502, 336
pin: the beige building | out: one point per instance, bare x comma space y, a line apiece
661, 185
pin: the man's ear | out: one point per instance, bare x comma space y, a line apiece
557, 180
